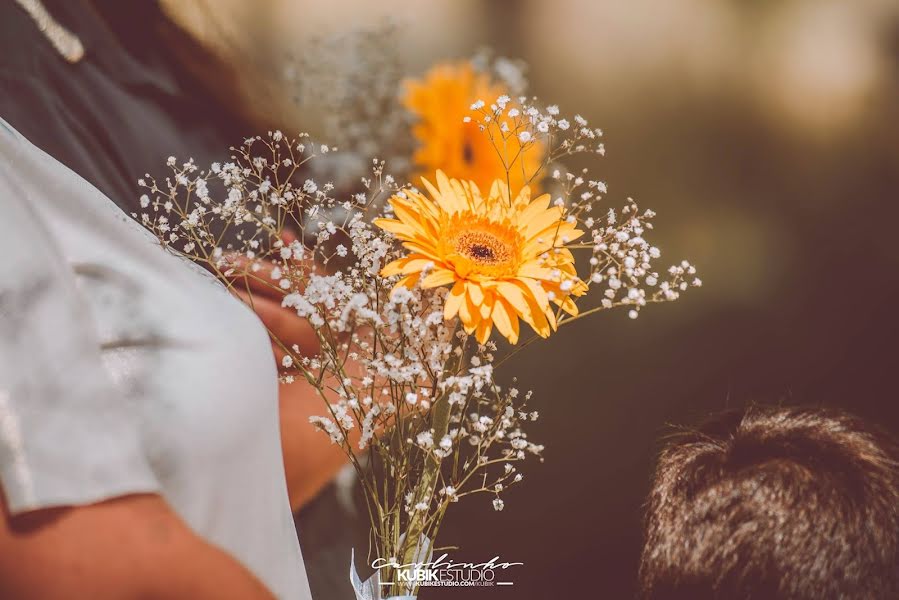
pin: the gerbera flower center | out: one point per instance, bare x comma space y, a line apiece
484, 252
483, 247
467, 152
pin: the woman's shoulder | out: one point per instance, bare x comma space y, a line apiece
105, 245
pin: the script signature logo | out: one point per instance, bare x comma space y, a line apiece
442, 572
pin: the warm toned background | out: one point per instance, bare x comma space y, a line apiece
766, 136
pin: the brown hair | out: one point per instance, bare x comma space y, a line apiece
771, 503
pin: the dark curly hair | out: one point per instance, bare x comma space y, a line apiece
774, 503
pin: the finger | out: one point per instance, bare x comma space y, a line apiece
256, 276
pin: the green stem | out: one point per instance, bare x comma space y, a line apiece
440, 413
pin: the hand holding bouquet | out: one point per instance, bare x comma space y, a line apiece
407, 285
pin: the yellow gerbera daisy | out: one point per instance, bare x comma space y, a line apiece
505, 259
440, 101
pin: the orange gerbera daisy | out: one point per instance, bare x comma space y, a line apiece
505, 259
440, 101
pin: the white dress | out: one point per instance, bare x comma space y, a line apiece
125, 369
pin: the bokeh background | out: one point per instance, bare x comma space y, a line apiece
766, 136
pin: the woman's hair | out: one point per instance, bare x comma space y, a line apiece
145, 28
770, 504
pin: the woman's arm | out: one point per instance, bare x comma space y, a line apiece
311, 459
128, 547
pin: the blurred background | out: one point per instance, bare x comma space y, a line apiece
765, 134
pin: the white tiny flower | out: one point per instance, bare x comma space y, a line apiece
425, 439
498, 504
524, 136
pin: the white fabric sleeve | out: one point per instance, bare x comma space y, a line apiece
66, 438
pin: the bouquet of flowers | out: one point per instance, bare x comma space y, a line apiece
419, 291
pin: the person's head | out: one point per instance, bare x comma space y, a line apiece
771, 504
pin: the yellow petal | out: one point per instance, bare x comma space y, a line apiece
475, 293
407, 282
535, 291
406, 265
483, 331
514, 295
424, 205
414, 264
486, 305
447, 197
551, 218
524, 196
534, 271
504, 322
567, 305
454, 300
437, 278
433, 191
423, 224
468, 314
424, 250
553, 236
392, 268
537, 302
393, 226
536, 207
